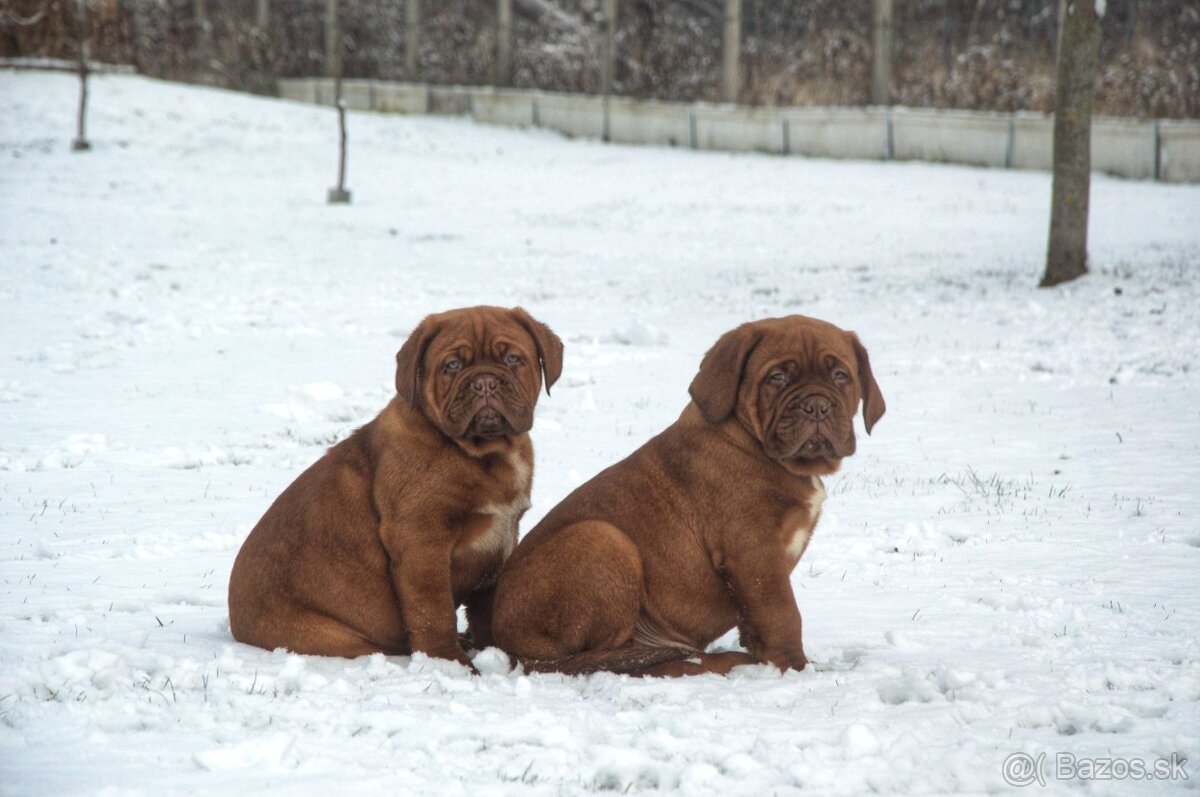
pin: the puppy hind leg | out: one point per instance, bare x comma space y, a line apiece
316, 634
631, 659
697, 664
580, 590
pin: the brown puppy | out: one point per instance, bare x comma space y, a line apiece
641, 568
375, 546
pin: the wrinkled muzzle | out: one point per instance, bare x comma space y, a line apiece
485, 403
809, 424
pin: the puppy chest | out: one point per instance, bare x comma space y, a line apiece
798, 524
492, 529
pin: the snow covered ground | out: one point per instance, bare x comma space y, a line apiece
1008, 565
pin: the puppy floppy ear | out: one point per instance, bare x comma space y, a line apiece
715, 387
549, 346
873, 404
409, 359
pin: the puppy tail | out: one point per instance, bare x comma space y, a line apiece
630, 659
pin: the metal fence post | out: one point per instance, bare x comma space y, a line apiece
412, 39
331, 38
502, 76
881, 55
731, 51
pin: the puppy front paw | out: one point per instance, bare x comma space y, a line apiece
452, 652
787, 660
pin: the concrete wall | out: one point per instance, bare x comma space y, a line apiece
359, 95
649, 122
737, 128
450, 100
401, 97
1165, 150
576, 115
1179, 151
503, 107
1124, 147
1033, 141
940, 136
298, 89
837, 132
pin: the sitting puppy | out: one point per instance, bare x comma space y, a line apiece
641, 568
375, 546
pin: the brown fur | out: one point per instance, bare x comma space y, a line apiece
696, 532
375, 546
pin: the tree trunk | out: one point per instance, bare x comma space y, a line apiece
80, 143
335, 48
338, 195
341, 112
1075, 87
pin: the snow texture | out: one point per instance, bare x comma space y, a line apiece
1008, 564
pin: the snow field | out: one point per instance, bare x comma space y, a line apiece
1008, 564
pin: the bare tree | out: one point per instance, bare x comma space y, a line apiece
80, 143
335, 50
1075, 87
338, 195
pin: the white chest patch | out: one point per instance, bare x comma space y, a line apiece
803, 532
501, 537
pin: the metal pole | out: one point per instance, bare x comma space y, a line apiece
609, 55
412, 39
331, 38
731, 51
503, 43
80, 144
881, 56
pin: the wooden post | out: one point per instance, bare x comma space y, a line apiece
881, 52
503, 74
731, 51
1074, 90
332, 35
609, 50
262, 14
412, 39
80, 143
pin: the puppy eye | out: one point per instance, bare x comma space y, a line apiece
513, 359
840, 376
777, 378
454, 366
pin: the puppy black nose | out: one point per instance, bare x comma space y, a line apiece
815, 407
485, 384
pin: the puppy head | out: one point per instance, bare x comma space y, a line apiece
476, 373
795, 384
